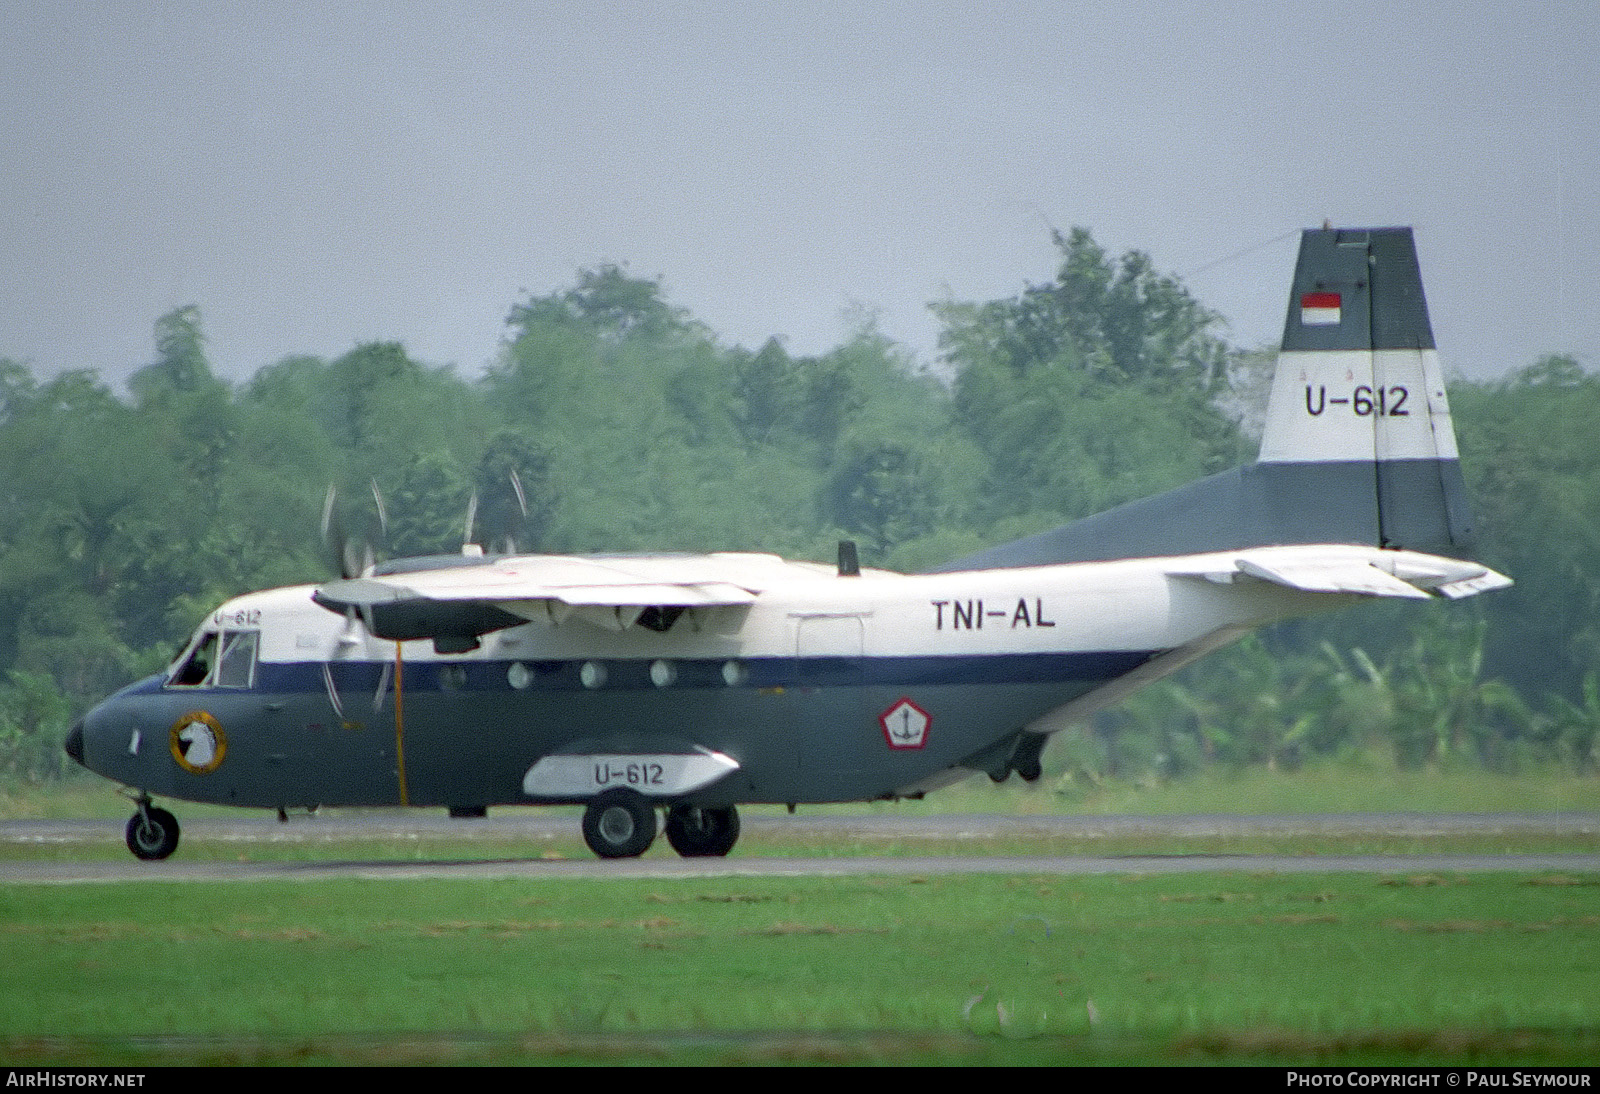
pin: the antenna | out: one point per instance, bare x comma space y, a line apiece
849, 562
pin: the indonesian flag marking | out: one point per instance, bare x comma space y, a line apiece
1319, 309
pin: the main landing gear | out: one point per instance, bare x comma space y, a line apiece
619, 824
622, 824
702, 833
151, 833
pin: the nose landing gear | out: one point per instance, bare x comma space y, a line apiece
151, 833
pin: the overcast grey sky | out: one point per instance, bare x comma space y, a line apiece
314, 176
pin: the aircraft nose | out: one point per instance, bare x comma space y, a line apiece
74, 742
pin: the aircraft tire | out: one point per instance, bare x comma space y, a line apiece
152, 834
619, 824
702, 833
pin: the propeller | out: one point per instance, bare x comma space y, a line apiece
472, 518
506, 544
522, 504
507, 541
352, 556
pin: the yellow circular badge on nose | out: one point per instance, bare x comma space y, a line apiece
198, 743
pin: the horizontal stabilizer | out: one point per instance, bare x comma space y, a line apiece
1471, 586
1358, 571
1331, 577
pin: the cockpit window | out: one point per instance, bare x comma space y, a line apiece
221, 659
237, 667
194, 665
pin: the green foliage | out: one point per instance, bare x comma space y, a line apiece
1092, 390
429, 503
607, 303
34, 717
1117, 320
880, 492
180, 367
1527, 449
1575, 727
1428, 704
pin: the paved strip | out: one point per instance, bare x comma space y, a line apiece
866, 865
526, 829
537, 824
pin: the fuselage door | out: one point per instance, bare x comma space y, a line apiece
828, 650
830, 710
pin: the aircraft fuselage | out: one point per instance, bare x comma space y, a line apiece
827, 688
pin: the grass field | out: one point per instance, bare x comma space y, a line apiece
1208, 968
1227, 968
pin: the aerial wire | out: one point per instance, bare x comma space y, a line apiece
1252, 249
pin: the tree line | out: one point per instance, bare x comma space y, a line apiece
613, 420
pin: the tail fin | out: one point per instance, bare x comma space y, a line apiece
1358, 447
1358, 384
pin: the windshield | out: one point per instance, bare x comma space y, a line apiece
220, 659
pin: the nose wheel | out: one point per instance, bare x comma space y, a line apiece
152, 833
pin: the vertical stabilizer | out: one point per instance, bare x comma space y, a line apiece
1358, 445
1359, 387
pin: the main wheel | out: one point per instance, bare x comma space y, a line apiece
619, 824
152, 834
702, 833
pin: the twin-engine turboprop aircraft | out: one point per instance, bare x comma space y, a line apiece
695, 683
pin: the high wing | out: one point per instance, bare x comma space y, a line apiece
455, 605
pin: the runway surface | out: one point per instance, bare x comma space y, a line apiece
526, 835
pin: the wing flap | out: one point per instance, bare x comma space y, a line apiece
699, 595
466, 602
